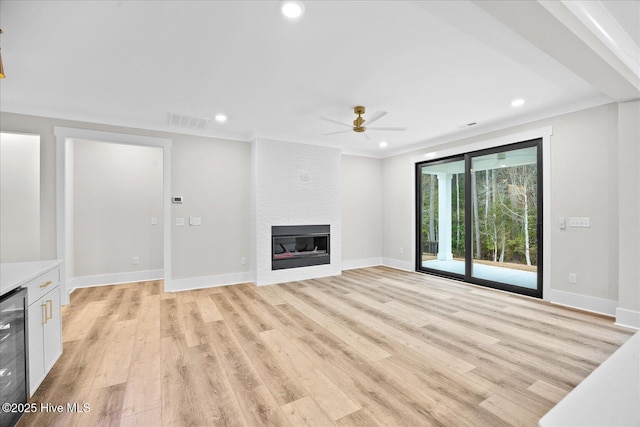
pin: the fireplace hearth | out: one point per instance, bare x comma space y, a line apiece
294, 246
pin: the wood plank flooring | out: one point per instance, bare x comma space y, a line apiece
373, 347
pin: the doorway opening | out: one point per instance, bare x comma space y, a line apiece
20, 215
65, 140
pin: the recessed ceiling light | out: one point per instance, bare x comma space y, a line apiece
383, 144
221, 118
517, 102
292, 9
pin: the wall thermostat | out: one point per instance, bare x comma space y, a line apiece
176, 199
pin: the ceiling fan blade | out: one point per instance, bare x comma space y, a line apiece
387, 128
336, 122
367, 137
334, 133
375, 116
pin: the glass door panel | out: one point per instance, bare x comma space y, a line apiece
504, 217
441, 202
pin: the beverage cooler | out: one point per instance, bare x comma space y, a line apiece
13, 356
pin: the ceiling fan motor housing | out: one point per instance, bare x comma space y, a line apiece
359, 121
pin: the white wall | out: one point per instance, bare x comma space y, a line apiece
361, 211
213, 177
584, 168
295, 184
628, 312
117, 189
19, 197
584, 160
398, 211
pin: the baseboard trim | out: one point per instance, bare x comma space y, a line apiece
190, 283
628, 318
114, 279
583, 302
399, 264
361, 263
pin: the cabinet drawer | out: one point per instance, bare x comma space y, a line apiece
42, 284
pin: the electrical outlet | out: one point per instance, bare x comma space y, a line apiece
154, 220
573, 278
243, 261
136, 260
401, 250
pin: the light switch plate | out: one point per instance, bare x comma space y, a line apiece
179, 221
584, 222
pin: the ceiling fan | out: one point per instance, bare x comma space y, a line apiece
358, 123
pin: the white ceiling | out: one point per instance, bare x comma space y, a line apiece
434, 66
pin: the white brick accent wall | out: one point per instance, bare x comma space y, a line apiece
294, 184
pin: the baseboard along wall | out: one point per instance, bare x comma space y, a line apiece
113, 279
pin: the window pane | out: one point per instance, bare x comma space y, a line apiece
442, 212
504, 217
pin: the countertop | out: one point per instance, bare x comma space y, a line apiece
607, 397
15, 274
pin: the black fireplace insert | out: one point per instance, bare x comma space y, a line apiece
295, 246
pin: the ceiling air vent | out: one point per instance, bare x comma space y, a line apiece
188, 121
466, 125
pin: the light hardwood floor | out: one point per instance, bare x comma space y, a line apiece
374, 346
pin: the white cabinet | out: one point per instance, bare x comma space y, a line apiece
44, 326
42, 279
52, 331
45, 337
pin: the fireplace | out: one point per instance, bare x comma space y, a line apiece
295, 246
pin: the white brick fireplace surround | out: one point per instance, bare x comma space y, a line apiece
294, 184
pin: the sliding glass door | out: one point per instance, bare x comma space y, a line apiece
479, 217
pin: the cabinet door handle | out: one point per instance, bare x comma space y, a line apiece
44, 285
44, 313
50, 303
